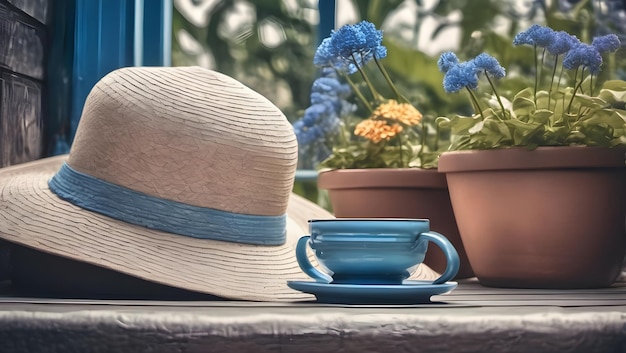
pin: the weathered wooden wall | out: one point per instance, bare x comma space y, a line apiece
23, 45
23, 54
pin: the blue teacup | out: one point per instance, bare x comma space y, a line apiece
371, 250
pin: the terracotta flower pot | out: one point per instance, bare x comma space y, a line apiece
548, 218
397, 193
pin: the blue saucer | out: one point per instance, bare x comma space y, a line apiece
410, 292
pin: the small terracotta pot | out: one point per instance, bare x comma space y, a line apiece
398, 193
548, 218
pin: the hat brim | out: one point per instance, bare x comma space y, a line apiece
35, 217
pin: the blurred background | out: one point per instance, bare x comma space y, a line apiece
269, 45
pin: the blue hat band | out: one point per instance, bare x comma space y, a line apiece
137, 208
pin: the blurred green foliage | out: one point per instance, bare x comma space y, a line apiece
284, 72
286, 69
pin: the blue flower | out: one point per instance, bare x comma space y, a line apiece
362, 58
355, 45
307, 135
446, 61
374, 39
327, 55
523, 38
321, 120
315, 113
322, 116
535, 35
562, 43
460, 76
584, 55
350, 47
489, 64
319, 123
362, 38
609, 42
349, 40
328, 88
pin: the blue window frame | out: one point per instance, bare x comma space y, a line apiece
108, 34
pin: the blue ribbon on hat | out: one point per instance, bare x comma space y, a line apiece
134, 207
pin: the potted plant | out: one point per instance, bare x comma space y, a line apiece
537, 176
376, 152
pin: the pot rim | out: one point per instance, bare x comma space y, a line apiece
545, 157
381, 177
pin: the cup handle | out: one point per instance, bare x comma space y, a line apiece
452, 256
305, 264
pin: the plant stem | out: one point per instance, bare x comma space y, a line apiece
576, 87
497, 96
393, 87
437, 132
400, 145
358, 93
423, 143
536, 74
558, 84
475, 102
377, 97
539, 71
556, 59
343, 132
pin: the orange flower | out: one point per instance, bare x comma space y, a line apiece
404, 113
377, 130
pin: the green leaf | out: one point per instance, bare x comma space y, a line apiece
525, 93
523, 106
462, 124
590, 102
522, 130
614, 93
542, 99
498, 127
541, 116
615, 85
523, 103
604, 117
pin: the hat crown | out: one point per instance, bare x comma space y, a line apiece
189, 135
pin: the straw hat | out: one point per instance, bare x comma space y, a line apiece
179, 176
